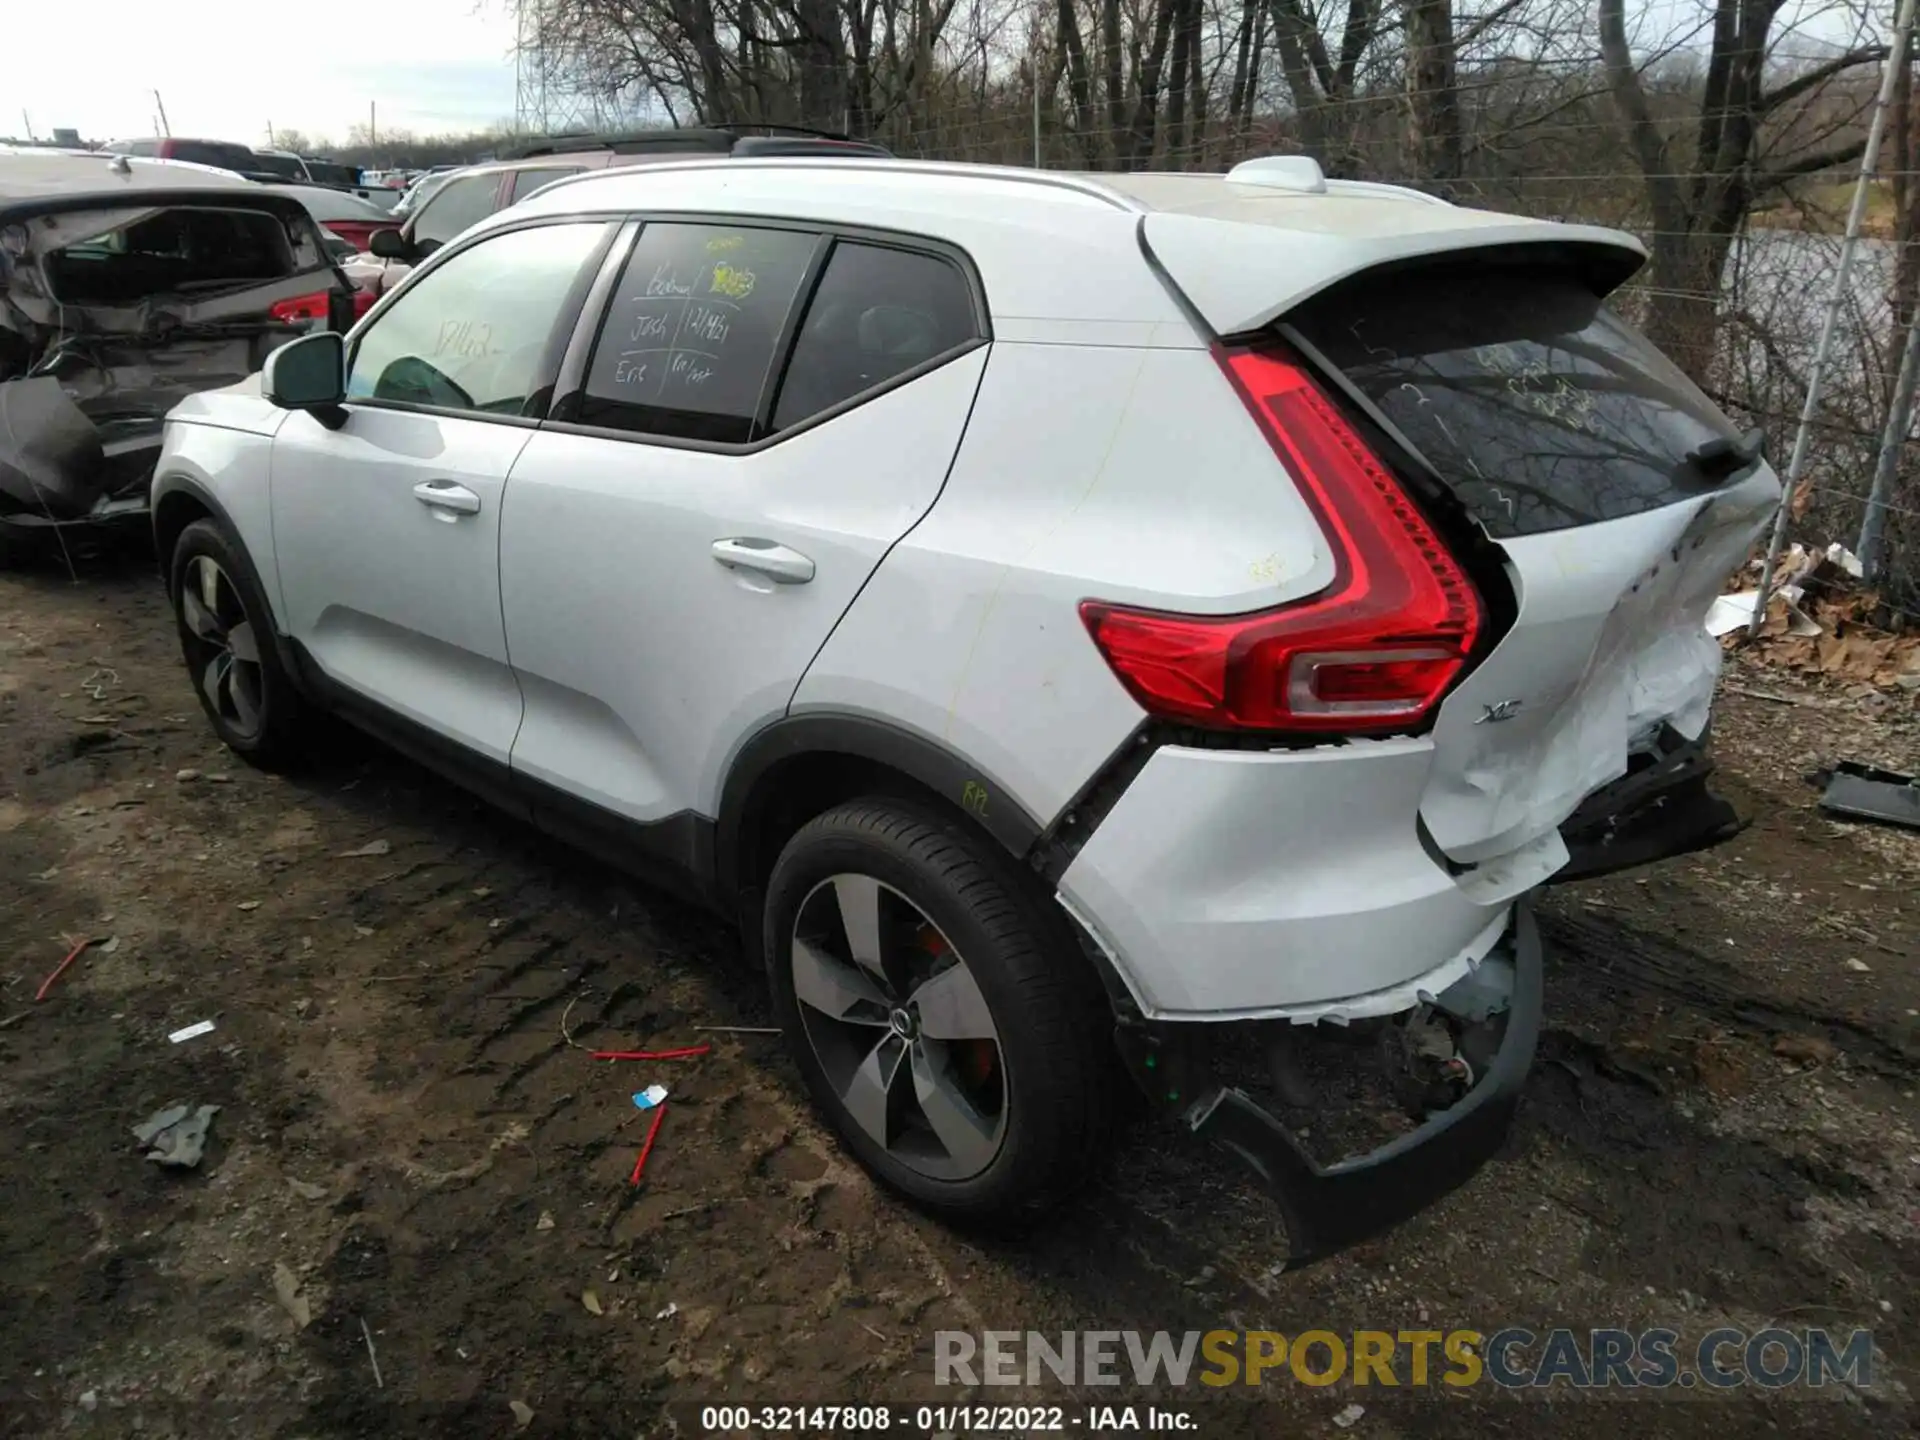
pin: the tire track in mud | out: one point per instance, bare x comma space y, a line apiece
1589, 951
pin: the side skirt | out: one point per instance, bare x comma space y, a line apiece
674, 853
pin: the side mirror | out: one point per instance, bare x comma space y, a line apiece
390, 245
308, 374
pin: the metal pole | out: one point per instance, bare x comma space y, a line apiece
1893, 440
1869, 159
161, 106
27, 120
1036, 113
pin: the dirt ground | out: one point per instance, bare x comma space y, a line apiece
410, 1123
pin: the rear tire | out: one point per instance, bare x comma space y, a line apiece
971, 1069
227, 640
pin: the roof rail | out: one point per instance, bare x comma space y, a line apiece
717, 139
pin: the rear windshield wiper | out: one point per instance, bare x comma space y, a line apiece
1727, 455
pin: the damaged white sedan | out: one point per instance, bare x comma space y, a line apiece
125, 286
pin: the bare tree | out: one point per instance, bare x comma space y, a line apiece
1696, 212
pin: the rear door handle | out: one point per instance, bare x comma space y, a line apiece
764, 557
447, 496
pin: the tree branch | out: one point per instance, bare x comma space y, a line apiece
1810, 165
1819, 75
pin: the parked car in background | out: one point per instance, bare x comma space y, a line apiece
342, 212
332, 172
465, 197
422, 189
1160, 620
221, 154
283, 163
126, 285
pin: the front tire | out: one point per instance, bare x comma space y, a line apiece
939, 1011
227, 640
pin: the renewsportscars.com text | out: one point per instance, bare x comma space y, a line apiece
1511, 1358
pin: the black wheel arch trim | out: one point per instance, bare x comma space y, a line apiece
744, 797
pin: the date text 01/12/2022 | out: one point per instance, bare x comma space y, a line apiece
940, 1419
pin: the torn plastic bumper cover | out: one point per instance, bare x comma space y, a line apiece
1328, 1209
1657, 811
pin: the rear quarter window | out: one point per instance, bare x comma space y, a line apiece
877, 313
1538, 406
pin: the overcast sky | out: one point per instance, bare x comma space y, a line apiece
226, 68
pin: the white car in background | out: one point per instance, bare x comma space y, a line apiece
1056, 616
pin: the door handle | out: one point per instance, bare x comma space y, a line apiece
447, 496
764, 557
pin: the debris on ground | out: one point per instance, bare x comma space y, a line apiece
1349, 1417
1806, 1049
367, 851
1865, 792
1821, 620
648, 1098
646, 1147
177, 1135
591, 1300
372, 1355
687, 1052
306, 1189
673, 1309
286, 1286
191, 1032
107, 946
522, 1413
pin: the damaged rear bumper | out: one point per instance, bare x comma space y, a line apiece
1329, 1208
1661, 810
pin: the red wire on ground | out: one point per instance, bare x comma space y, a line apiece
60, 969
688, 1053
646, 1147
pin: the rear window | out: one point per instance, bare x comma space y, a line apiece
1538, 406
192, 252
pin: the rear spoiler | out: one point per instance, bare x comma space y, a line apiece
1241, 276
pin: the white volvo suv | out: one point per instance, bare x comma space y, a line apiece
1063, 618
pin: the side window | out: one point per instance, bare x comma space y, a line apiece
457, 205
876, 313
525, 182
687, 347
473, 333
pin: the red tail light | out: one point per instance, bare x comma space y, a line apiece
303, 307
1376, 650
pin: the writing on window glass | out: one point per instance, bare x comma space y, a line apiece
1532, 381
677, 328
463, 340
